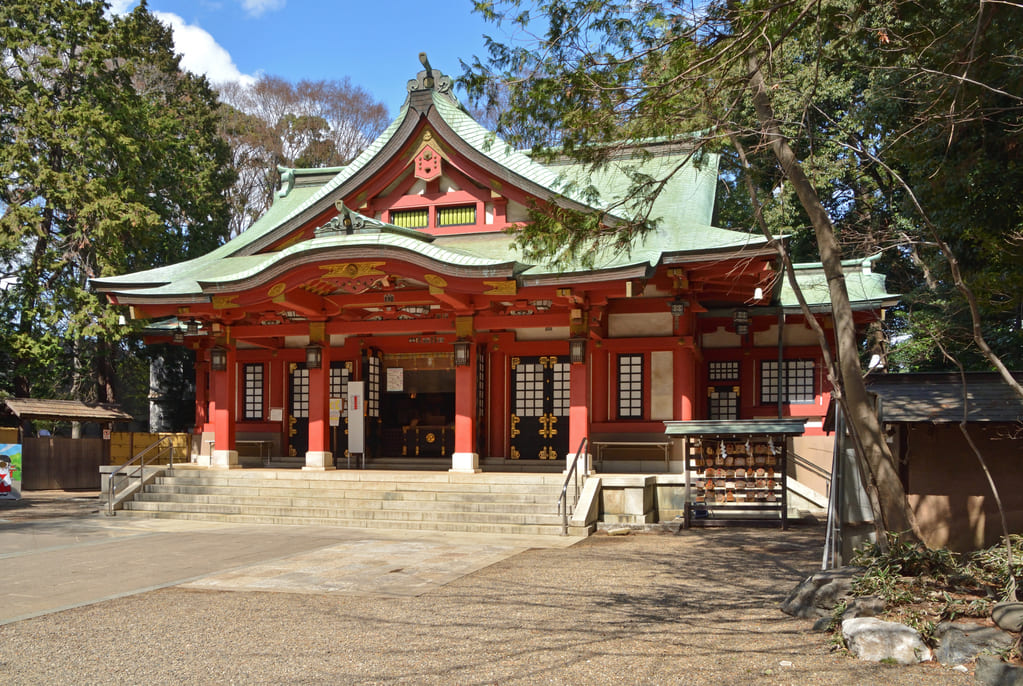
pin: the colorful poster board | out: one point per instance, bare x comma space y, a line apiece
10, 471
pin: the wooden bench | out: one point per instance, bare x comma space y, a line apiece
601, 441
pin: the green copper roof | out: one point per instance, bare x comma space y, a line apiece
494, 148
193, 277
687, 196
866, 287
788, 426
683, 230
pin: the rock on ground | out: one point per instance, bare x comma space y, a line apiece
991, 671
878, 641
1008, 616
959, 643
818, 594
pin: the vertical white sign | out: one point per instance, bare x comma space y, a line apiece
356, 416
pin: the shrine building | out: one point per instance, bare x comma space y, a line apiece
382, 311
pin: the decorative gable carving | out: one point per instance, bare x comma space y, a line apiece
427, 164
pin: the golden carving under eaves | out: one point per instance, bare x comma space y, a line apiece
352, 270
437, 283
224, 302
509, 287
276, 289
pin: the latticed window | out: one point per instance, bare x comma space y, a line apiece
630, 386
723, 402
796, 382
411, 219
253, 392
529, 389
373, 387
456, 216
723, 371
300, 393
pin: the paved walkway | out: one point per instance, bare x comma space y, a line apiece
59, 563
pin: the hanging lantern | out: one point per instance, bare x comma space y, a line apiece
462, 353
313, 356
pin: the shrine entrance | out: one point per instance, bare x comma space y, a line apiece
418, 405
540, 407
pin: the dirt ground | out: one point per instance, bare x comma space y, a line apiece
698, 607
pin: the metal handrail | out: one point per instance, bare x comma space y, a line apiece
814, 469
139, 469
563, 498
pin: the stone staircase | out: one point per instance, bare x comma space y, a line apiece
431, 501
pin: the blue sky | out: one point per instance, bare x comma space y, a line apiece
375, 44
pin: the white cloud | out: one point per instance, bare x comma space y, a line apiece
200, 52
257, 7
121, 6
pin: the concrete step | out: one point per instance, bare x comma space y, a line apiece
501, 502
328, 513
540, 496
510, 485
421, 525
331, 500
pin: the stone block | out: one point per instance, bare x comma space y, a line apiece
869, 638
992, 671
817, 595
959, 643
1008, 616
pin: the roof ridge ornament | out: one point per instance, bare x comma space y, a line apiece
429, 79
287, 180
346, 222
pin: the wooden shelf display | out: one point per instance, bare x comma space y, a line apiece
732, 476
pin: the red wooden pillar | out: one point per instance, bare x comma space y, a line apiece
600, 385
465, 458
497, 397
202, 398
685, 376
318, 456
579, 412
225, 383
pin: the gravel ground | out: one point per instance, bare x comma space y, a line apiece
699, 607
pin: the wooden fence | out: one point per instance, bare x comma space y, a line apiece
57, 463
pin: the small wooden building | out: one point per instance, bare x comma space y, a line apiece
946, 485
57, 462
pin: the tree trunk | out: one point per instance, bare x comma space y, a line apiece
895, 513
104, 372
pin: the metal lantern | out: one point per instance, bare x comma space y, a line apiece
313, 356
678, 307
577, 350
462, 353
218, 359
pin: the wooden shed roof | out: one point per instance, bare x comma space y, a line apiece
938, 397
66, 410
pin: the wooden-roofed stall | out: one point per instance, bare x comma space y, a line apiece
55, 462
924, 414
736, 471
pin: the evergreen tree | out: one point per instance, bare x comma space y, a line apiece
111, 162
